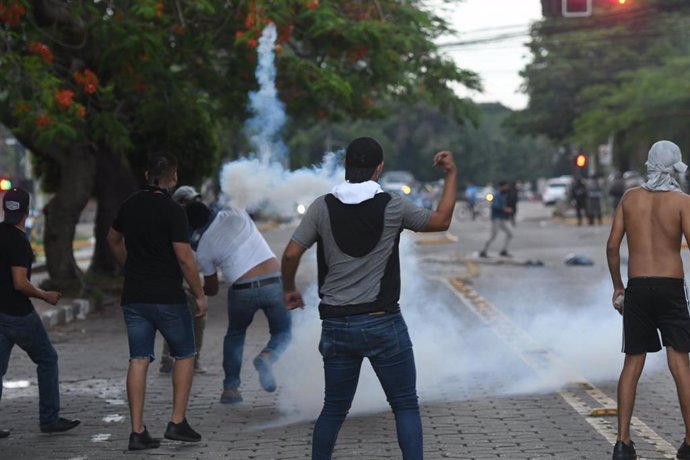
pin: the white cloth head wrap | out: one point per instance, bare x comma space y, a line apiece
664, 159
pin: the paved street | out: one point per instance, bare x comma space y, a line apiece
511, 361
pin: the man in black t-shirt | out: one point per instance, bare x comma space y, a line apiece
19, 322
150, 238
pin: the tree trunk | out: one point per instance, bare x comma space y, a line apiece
115, 183
77, 167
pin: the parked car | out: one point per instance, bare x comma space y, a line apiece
402, 182
556, 189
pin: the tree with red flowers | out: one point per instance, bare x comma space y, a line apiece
92, 87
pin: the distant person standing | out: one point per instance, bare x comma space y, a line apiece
594, 196
654, 218
230, 242
19, 323
471, 195
512, 200
500, 213
357, 230
183, 196
578, 197
150, 238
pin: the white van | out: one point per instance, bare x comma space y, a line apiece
556, 189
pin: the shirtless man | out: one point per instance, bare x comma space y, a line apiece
655, 217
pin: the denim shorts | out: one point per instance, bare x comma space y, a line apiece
174, 321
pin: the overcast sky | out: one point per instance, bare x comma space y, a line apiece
497, 63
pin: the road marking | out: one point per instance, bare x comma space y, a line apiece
101, 437
113, 418
542, 360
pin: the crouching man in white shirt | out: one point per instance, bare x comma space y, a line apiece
231, 242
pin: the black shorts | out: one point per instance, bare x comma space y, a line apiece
655, 303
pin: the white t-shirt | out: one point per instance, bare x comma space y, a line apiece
232, 243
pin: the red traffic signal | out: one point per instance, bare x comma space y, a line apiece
581, 160
5, 184
576, 8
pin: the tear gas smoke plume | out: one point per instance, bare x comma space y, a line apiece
251, 185
458, 359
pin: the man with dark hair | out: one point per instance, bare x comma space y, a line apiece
654, 218
357, 229
150, 238
19, 322
183, 196
500, 213
231, 242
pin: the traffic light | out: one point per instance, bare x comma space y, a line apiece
5, 184
581, 161
577, 8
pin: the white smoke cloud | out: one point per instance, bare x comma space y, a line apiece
252, 185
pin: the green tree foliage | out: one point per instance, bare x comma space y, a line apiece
485, 153
621, 72
92, 87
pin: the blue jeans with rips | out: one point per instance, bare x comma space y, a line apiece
174, 321
242, 306
29, 334
384, 339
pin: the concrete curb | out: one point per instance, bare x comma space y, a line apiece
72, 310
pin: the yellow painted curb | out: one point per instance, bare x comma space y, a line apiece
604, 411
447, 238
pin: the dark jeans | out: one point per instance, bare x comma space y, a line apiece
242, 306
29, 334
384, 339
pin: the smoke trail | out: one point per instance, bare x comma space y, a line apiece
263, 128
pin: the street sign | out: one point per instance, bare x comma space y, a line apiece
576, 8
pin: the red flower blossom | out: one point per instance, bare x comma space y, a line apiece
285, 33
64, 98
42, 50
81, 111
314, 4
252, 43
43, 120
87, 80
12, 14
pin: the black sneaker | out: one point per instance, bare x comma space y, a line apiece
505, 253
142, 441
263, 365
4, 433
683, 451
483, 254
181, 432
622, 451
61, 425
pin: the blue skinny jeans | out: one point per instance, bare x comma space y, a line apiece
384, 339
